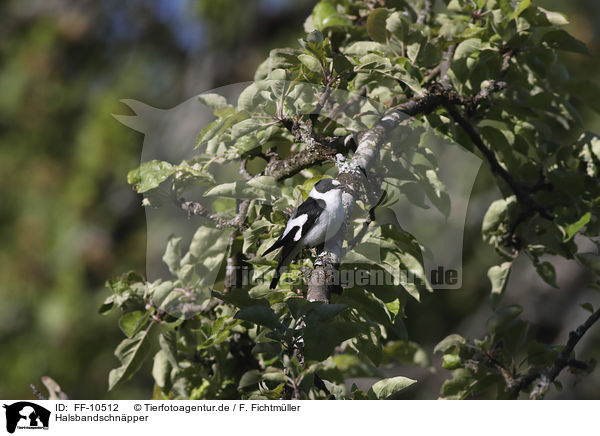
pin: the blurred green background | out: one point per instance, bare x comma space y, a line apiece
69, 221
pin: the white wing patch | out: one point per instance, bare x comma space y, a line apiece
298, 221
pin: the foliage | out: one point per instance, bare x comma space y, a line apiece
483, 74
68, 219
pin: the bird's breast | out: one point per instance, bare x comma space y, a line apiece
327, 225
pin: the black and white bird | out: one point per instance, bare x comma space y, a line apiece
313, 223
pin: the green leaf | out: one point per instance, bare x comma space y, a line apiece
161, 370
459, 385
554, 18
498, 275
452, 29
369, 347
260, 188
467, 47
407, 352
562, 40
410, 81
160, 291
107, 306
150, 175
523, 4
310, 62
246, 100
449, 342
388, 388
131, 352
541, 355
213, 101
250, 379
398, 25
315, 37
366, 304
436, 192
588, 143
412, 50
572, 229
451, 361
361, 48
208, 242
131, 323
167, 340
496, 214
341, 63
260, 315
357, 394
228, 117
316, 45
318, 312
502, 317
240, 298
376, 24
547, 272
591, 261
320, 338
588, 307
325, 15
172, 256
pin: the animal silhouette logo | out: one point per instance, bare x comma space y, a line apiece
431, 202
26, 415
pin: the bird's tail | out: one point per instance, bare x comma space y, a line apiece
283, 264
274, 282
278, 271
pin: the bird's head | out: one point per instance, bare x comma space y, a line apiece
326, 185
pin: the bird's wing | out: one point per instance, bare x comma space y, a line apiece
301, 221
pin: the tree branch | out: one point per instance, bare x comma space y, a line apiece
193, 208
493, 86
522, 193
487, 153
437, 95
37, 393
563, 360
284, 168
233, 272
423, 15
350, 174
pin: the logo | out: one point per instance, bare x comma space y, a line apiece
424, 208
26, 415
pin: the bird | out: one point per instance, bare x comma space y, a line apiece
314, 222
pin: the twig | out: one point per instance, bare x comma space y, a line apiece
522, 193
492, 87
37, 393
563, 360
487, 153
425, 12
445, 64
243, 171
234, 263
193, 208
284, 168
435, 97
